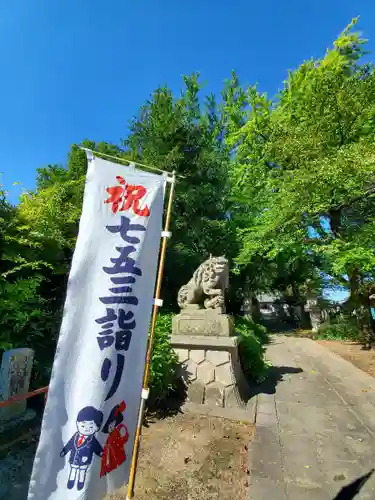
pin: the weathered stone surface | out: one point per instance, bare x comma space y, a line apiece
206, 372
205, 342
224, 375
15, 374
316, 319
202, 322
313, 428
232, 398
298, 492
188, 371
197, 355
221, 356
183, 354
207, 286
214, 394
195, 392
266, 461
264, 488
218, 357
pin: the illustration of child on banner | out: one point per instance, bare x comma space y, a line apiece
114, 453
83, 445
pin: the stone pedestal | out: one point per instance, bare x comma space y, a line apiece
196, 321
211, 369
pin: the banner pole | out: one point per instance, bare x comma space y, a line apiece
157, 302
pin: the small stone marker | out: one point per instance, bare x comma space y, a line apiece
312, 307
15, 374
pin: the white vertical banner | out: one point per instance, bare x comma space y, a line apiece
90, 419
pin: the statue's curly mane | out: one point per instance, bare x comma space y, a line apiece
207, 284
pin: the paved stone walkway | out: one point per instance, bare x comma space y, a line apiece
315, 426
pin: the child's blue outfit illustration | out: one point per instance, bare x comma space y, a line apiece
83, 445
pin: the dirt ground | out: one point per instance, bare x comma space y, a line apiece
191, 457
353, 352
15, 470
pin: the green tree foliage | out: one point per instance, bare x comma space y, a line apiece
164, 362
283, 187
306, 160
252, 338
37, 240
26, 309
38, 236
182, 136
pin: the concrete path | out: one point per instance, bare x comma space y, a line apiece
315, 426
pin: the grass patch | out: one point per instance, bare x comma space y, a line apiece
340, 330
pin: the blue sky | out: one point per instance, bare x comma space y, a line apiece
81, 69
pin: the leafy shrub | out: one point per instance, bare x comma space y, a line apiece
27, 321
246, 325
342, 329
252, 337
164, 362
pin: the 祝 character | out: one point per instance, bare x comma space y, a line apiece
114, 453
126, 197
83, 445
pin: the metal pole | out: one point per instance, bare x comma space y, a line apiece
146, 376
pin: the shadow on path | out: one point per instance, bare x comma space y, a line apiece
350, 491
279, 326
170, 406
275, 375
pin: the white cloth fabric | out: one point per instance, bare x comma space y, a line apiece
91, 413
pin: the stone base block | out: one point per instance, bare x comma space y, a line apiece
195, 321
211, 369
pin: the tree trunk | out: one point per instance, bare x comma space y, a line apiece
335, 221
370, 330
354, 284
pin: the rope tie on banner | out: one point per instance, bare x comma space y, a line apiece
145, 393
166, 234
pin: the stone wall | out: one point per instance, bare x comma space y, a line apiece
211, 370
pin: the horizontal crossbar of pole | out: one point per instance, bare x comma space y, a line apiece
130, 162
